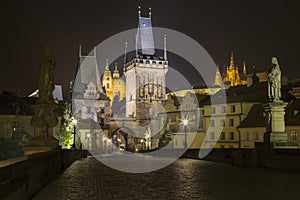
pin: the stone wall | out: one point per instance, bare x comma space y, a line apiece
262, 156
21, 178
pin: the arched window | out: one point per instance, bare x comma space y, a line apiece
107, 85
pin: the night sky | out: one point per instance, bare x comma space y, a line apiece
253, 30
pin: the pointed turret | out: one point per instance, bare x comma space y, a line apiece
244, 69
231, 61
165, 47
107, 70
116, 73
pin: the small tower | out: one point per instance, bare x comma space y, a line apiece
145, 73
116, 74
107, 80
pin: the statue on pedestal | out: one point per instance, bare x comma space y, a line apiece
45, 119
274, 81
46, 79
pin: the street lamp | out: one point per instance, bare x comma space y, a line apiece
74, 121
185, 123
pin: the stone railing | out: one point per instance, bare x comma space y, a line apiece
22, 177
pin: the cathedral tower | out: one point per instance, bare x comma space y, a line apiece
145, 74
232, 76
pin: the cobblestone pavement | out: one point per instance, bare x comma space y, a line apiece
184, 179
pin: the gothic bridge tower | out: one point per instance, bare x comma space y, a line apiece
145, 74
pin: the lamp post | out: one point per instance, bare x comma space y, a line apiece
74, 121
88, 137
185, 123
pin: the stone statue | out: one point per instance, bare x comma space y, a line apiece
46, 79
274, 81
45, 119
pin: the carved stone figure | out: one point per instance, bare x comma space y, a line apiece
274, 81
46, 79
45, 119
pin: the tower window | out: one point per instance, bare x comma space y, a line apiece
107, 85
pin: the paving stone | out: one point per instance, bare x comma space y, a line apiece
184, 179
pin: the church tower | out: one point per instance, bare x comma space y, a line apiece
107, 81
145, 74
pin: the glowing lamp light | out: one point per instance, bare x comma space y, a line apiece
185, 122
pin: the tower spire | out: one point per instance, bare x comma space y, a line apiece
231, 61
79, 50
165, 47
244, 69
107, 66
136, 45
125, 54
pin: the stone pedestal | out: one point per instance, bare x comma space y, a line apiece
275, 126
275, 121
43, 122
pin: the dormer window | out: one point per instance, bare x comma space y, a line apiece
295, 112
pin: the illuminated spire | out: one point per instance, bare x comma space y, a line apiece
106, 66
165, 47
116, 73
231, 61
107, 70
125, 54
244, 69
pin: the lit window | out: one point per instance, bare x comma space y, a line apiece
294, 135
